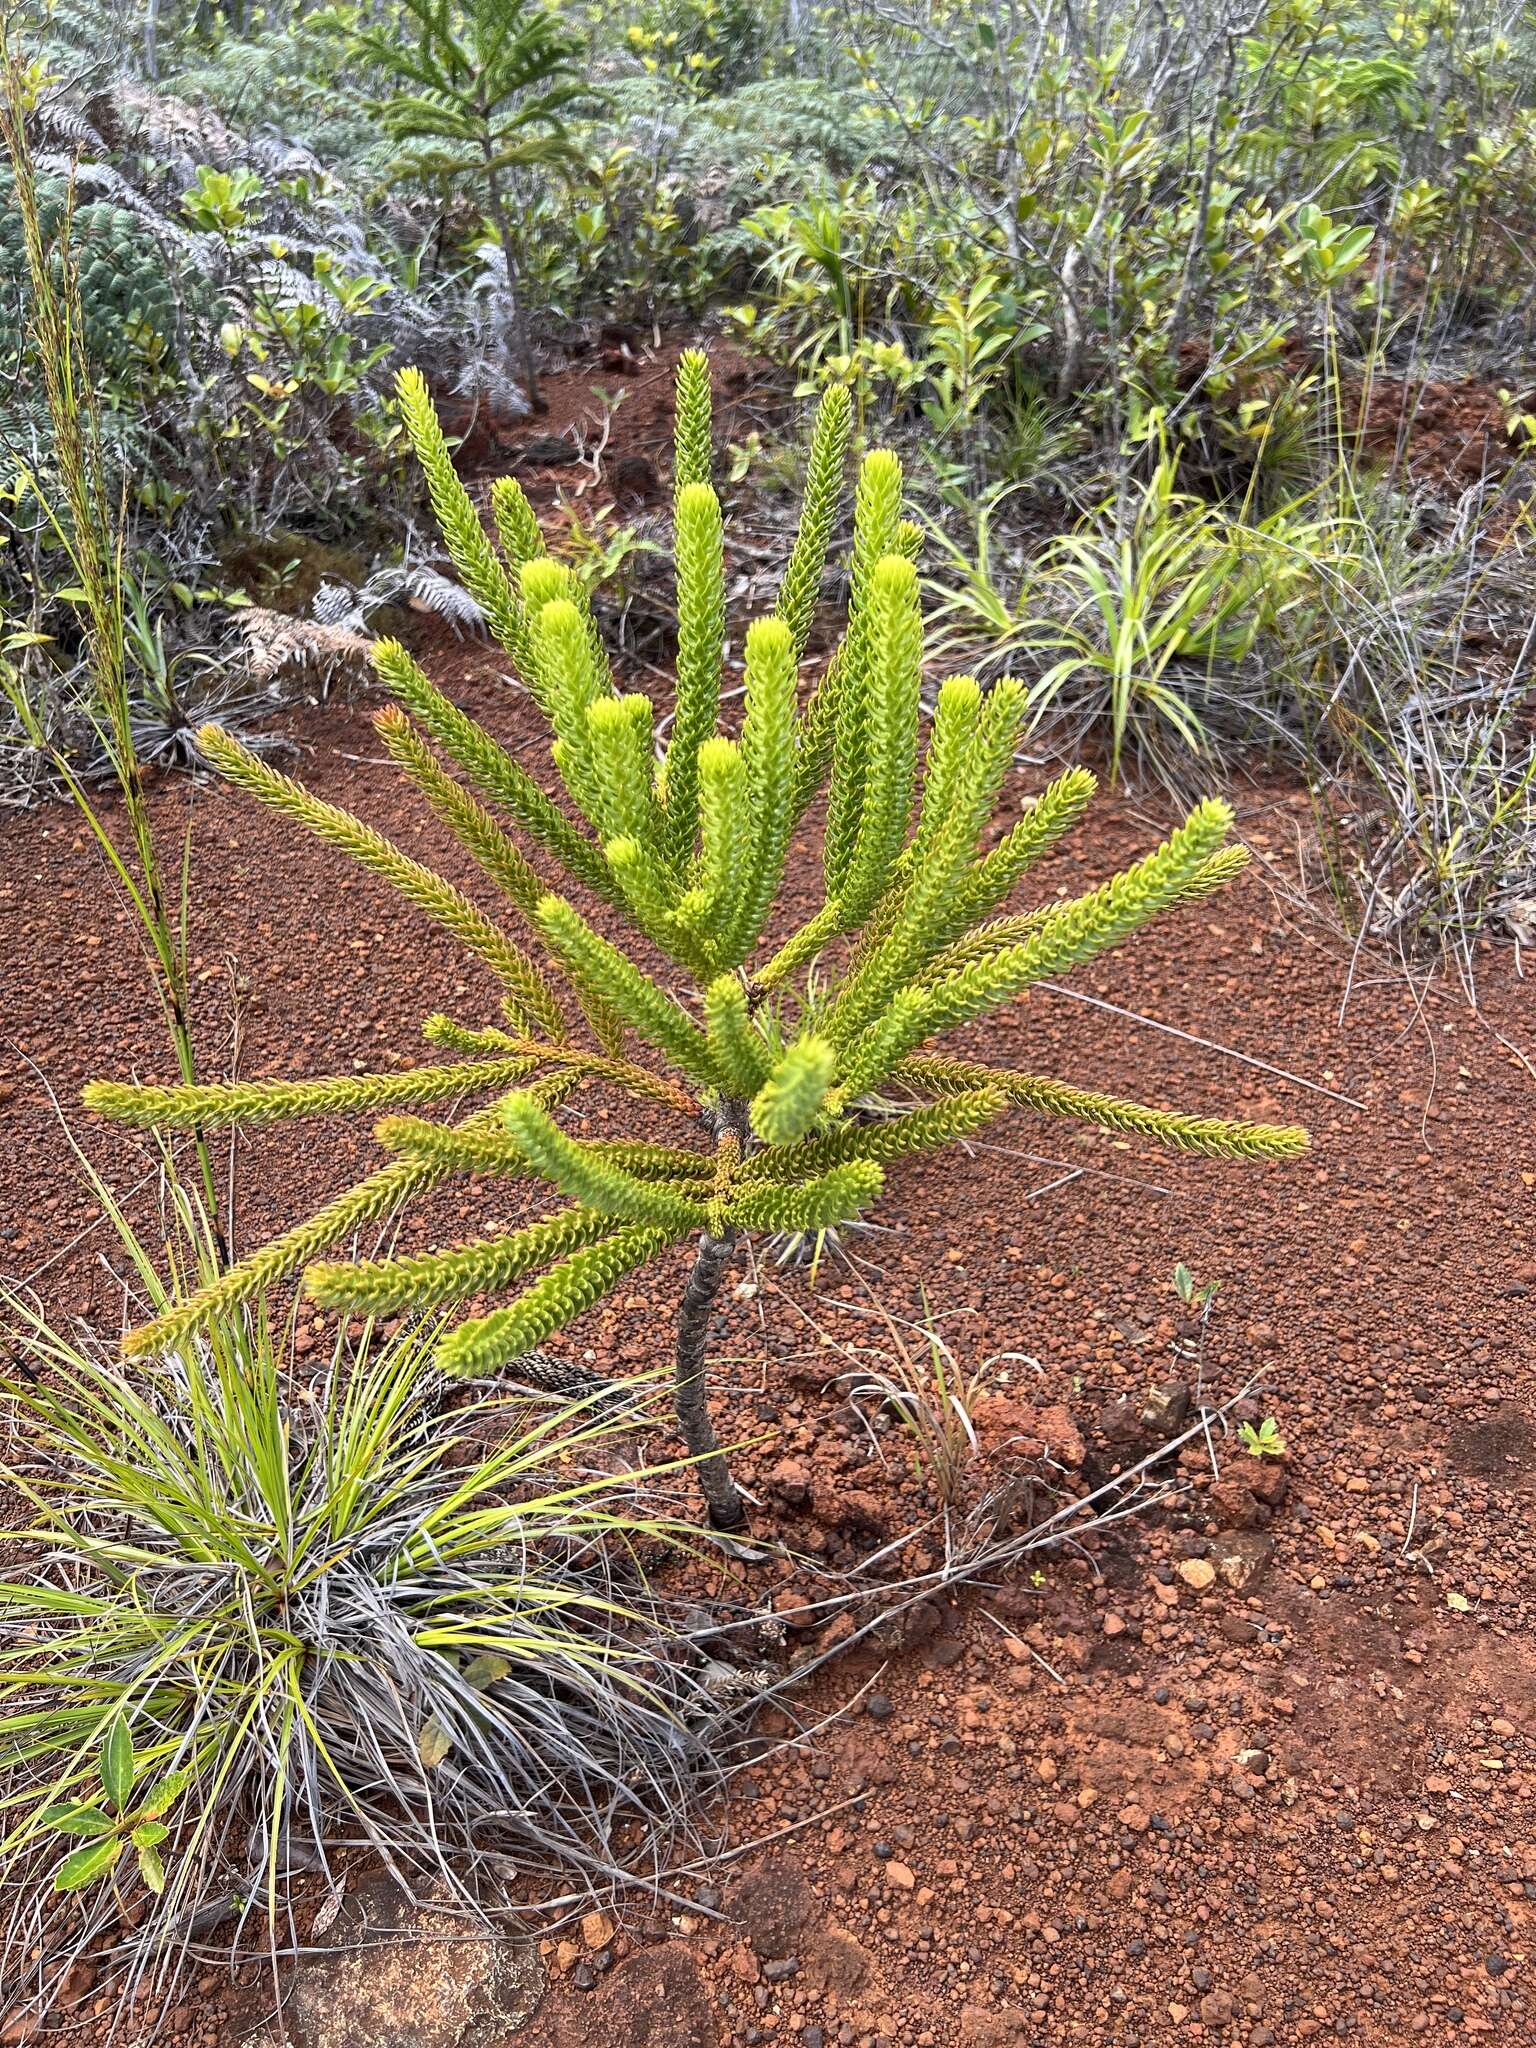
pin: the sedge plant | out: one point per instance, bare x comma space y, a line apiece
762, 1046
256, 1618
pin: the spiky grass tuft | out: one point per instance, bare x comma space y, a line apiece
278, 1621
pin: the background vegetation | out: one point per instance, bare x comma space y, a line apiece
1150, 301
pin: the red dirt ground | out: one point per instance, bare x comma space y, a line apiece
1442, 433
1189, 1789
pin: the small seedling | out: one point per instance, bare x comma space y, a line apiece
117, 1822
1191, 1295
1263, 1442
1189, 1342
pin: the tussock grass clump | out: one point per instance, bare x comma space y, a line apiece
252, 1623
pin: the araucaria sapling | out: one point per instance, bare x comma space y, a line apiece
762, 1063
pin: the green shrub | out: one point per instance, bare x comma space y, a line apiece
782, 1037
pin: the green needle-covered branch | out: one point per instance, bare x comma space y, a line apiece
588, 1177
922, 1130
790, 1100
700, 546
429, 892
218, 1105
693, 430
481, 1345
470, 822
1216, 1137
383, 1287
821, 1204
800, 592
473, 555
382, 1195
491, 768
740, 1057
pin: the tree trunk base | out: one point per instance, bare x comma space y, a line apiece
726, 1509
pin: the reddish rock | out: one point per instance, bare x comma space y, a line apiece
790, 1482
1063, 1441
1233, 1505
1241, 1555
1267, 1480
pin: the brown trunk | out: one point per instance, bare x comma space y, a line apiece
727, 1510
517, 325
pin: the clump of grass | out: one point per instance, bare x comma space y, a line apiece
914, 1376
300, 1619
1412, 663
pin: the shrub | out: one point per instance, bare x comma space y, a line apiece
1152, 605
776, 1046
478, 92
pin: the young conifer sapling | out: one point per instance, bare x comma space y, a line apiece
762, 1046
